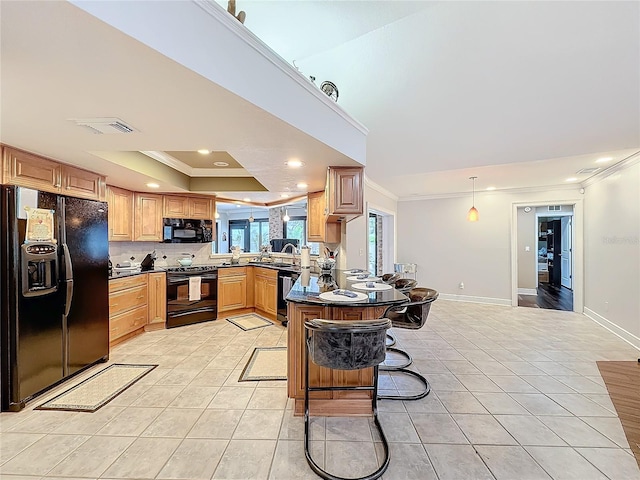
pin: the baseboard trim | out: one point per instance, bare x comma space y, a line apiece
628, 337
527, 291
472, 299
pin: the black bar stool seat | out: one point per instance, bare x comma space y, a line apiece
345, 345
413, 316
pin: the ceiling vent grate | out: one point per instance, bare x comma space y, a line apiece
555, 208
108, 125
588, 170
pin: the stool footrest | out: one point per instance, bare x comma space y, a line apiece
418, 396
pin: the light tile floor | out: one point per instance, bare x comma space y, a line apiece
516, 395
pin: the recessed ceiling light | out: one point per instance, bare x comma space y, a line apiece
153, 185
204, 151
302, 185
604, 159
237, 206
491, 188
246, 199
221, 164
571, 179
284, 195
294, 163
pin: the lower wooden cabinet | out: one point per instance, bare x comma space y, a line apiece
266, 290
157, 286
128, 307
136, 303
232, 289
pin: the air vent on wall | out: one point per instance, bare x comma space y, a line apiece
104, 125
588, 170
555, 208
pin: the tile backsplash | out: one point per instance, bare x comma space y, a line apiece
123, 251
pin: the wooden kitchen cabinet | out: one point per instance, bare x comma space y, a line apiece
148, 217
266, 291
318, 227
33, 171
128, 307
201, 208
157, 288
120, 214
81, 183
232, 289
345, 191
195, 208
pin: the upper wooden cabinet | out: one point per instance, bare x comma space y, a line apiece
148, 217
318, 228
198, 208
345, 191
32, 171
120, 214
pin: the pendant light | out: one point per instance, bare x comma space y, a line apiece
251, 219
286, 216
473, 216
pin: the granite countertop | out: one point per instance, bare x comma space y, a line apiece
310, 294
129, 273
271, 265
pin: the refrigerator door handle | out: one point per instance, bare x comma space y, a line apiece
68, 273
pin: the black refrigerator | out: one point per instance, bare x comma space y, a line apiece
54, 291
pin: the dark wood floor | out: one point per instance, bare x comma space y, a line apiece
623, 382
549, 296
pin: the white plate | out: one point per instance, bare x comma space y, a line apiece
332, 297
356, 271
376, 287
368, 279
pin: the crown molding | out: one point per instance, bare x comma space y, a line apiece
378, 188
631, 160
237, 28
537, 189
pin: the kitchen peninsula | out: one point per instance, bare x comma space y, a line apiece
304, 303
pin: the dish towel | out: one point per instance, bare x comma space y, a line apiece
286, 286
194, 288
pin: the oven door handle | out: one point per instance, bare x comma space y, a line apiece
191, 312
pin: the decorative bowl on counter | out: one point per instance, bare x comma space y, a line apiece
185, 261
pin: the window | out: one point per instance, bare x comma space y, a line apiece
296, 227
249, 235
373, 243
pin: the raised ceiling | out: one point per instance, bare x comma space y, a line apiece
521, 94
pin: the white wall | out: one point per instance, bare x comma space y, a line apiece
436, 235
355, 241
612, 252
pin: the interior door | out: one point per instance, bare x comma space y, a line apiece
566, 261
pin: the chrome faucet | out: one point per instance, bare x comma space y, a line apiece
294, 251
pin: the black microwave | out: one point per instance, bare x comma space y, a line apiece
183, 230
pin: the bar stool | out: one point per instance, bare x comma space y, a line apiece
412, 315
344, 345
390, 278
403, 285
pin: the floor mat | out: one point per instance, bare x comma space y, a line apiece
99, 389
249, 321
266, 363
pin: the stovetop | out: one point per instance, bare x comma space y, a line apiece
192, 268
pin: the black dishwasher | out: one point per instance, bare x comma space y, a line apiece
286, 279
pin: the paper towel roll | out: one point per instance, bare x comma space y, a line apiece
305, 257
305, 277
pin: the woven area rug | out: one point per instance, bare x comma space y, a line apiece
249, 321
266, 363
99, 389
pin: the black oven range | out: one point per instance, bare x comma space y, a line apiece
191, 294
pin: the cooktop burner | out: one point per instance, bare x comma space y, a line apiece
193, 268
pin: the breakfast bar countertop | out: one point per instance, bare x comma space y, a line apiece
310, 294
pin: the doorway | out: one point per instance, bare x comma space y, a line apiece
549, 281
